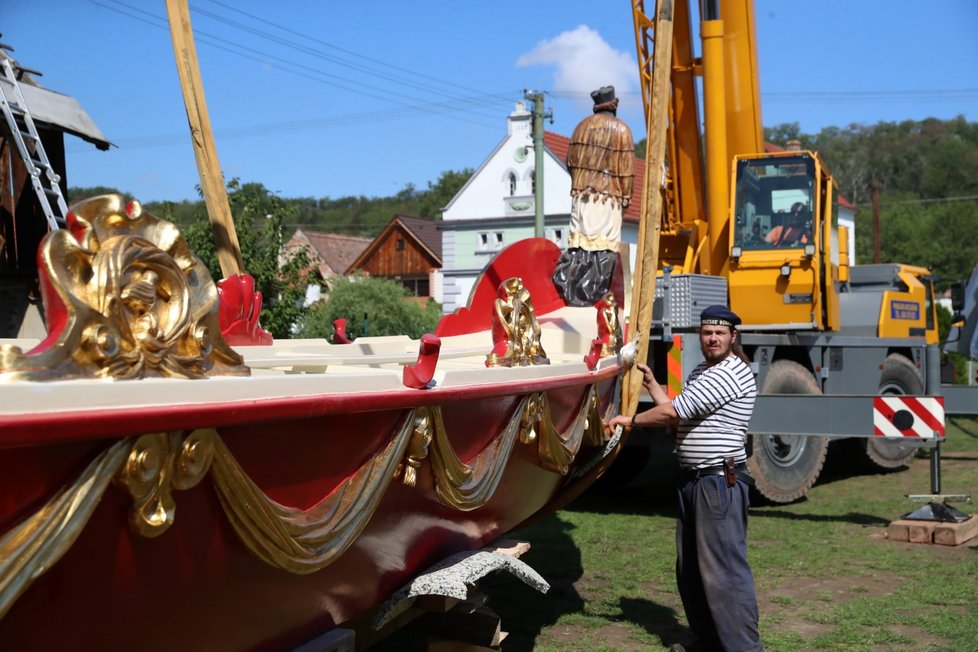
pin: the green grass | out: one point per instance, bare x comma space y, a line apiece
827, 577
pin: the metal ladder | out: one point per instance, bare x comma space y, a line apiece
43, 177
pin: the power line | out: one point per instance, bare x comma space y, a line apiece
930, 200
359, 66
215, 41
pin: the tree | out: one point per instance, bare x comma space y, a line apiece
372, 306
260, 219
433, 200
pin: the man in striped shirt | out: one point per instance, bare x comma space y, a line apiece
712, 412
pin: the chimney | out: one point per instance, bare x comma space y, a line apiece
520, 121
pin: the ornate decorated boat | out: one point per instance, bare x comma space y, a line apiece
162, 488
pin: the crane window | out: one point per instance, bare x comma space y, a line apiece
774, 203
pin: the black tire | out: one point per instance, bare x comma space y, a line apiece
899, 376
786, 466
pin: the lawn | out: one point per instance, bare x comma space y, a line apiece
828, 578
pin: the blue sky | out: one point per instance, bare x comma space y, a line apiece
328, 99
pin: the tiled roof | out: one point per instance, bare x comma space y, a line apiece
337, 252
425, 230
558, 145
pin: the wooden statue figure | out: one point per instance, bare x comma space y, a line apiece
601, 161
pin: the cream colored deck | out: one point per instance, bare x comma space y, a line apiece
309, 368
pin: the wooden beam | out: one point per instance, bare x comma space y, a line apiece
650, 224
205, 150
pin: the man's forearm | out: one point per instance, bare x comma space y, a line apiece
659, 396
663, 414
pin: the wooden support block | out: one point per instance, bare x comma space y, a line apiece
466, 624
510, 547
898, 530
953, 534
335, 640
912, 531
922, 531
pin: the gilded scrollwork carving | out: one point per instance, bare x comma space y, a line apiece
125, 298
158, 464
515, 330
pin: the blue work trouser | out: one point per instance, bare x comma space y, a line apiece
715, 580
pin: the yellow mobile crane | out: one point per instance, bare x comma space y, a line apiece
760, 229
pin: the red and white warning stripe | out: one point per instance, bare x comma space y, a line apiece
908, 416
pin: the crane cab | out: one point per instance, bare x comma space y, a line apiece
783, 267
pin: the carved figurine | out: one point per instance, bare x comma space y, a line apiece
601, 161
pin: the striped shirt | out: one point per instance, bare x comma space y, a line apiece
714, 410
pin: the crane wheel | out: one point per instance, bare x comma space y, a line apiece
899, 376
785, 467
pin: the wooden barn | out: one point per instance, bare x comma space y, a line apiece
407, 251
22, 219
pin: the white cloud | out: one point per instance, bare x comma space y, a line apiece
583, 62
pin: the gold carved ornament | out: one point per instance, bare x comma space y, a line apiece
609, 328
125, 298
515, 330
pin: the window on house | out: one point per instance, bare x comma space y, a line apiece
533, 182
555, 235
400, 244
490, 241
512, 184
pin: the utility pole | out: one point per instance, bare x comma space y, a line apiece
538, 117
876, 221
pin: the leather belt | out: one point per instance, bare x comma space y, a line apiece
711, 470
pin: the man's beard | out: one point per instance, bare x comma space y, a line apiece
717, 356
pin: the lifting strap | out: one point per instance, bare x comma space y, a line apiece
22, 129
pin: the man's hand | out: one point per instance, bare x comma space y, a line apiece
620, 420
648, 379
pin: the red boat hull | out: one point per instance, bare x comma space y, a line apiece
197, 586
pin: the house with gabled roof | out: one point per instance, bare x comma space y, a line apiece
495, 207
331, 253
407, 251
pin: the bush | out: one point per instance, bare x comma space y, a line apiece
371, 306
